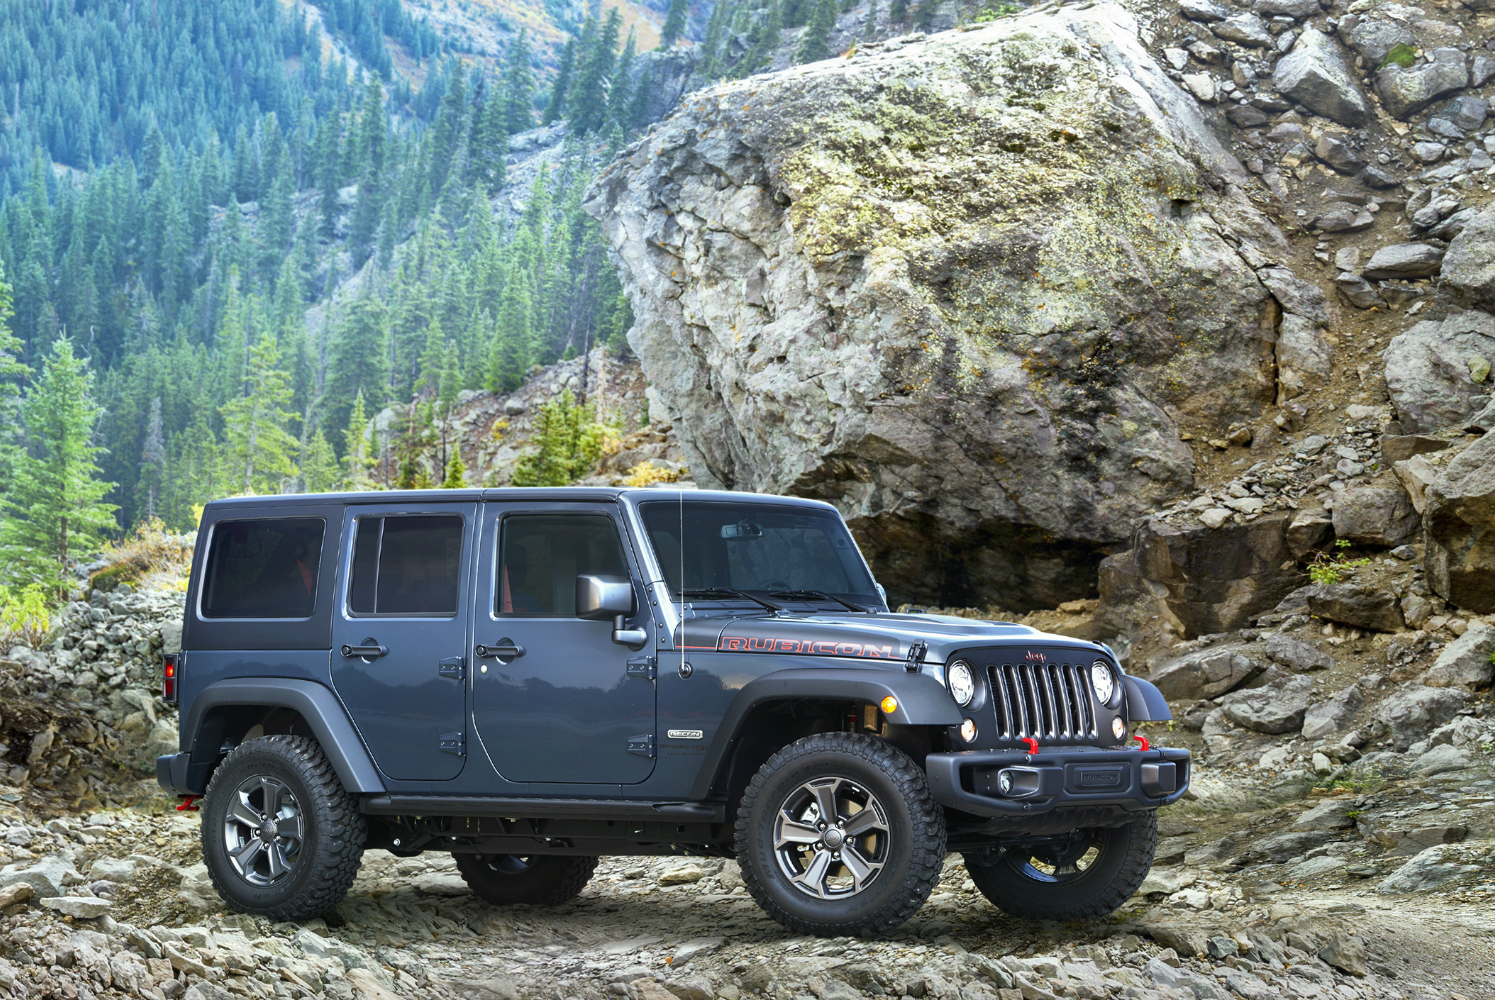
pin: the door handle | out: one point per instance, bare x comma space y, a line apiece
368, 649
504, 651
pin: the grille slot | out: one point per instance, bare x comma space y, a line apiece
1045, 701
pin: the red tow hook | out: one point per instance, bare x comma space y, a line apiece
1032, 744
187, 805
1143, 740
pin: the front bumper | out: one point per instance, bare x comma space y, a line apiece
1133, 780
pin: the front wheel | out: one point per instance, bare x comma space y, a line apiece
539, 880
281, 836
1090, 873
837, 834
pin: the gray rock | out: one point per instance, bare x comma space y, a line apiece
1375, 515
1205, 673
1182, 980
1451, 227
1314, 74
1346, 952
1378, 177
1413, 712
1244, 29
80, 907
1356, 605
1428, 152
1357, 291
1459, 516
171, 636
1481, 69
1333, 150
1442, 759
1290, 844
1469, 264
1308, 528
1343, 219
1300, 656
1246, 116
1330, 815
1314, 867
1404, 260
1202, 10
46, 877
1374, 37
1465, 662
833, 277
1404, 92
1427, 870
1427, 370
1206, 580
1335, 715
1298, 10
1277, 708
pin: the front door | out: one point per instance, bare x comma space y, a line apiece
554, 701
400, 644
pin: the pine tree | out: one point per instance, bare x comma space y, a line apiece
508, 355
330, 177
358, 456
674, 24
12, 373
359, 362
456, 473
488, 150
260, 449
813, 45
519, 86
319, 471
152, 464
567, 445
619, 93
711, 48
765, 41
897, 11
556, 109
55, 503
589, 94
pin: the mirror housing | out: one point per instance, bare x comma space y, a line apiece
600, 598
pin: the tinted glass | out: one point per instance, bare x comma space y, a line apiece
541, 555
409, 565
263, 569
760, 548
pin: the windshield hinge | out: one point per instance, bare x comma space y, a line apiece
915, 656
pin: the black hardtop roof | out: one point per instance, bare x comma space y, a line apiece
574, 494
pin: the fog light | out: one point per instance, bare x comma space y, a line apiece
968, 730
1004, 782
1118, 728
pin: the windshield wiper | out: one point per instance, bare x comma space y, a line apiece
818, 595
712, 593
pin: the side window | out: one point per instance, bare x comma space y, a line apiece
541, 555
263, 568
407, 565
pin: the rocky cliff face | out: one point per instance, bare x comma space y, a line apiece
976, 289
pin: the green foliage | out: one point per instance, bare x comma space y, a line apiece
1327, 569
1402, 55
813, 45
898, 11
567, 444
260, 449
55, 503
993, 11
456, 473
674, 24
25, 615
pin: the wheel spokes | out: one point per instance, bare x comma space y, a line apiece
791, 832
861, 869
245, 855
813, 878
276, 856
271, 791
825, 800
243, 812
866, 821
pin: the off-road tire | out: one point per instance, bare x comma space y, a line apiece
333, 843
545, 880
1124, 860
915, 853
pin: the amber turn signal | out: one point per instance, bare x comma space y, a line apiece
889, 705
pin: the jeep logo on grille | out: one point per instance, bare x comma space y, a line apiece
1036, 657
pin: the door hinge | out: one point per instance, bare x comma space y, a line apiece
641, 746
453, 743
642, 666
451, 667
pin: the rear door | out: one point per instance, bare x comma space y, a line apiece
400, 642
555, 701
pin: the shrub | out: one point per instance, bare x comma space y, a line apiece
1403, 55
647, 473
1329, 569
25, 616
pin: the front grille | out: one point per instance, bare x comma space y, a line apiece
1043, 701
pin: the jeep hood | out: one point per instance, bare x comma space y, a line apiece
885, 637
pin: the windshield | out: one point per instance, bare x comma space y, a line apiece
756, 548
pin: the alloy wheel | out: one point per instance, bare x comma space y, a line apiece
831, 838
264, 830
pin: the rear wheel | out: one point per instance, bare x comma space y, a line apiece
281, 836
1087, 874
512, 879
837, 834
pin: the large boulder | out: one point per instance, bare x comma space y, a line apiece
1407, 90
1357, 605
1315, 75
1334, 715
1404, 260
1204, 673
1428, 373
1465, 662
1415, 711
1459, 516
1204, 580
1469, 264
1375, 515
974, 325
1278, 707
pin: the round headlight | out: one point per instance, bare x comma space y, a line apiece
1103, 681
962, 682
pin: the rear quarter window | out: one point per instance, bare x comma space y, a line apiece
263, 568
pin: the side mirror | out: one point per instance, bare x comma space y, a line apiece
599, 598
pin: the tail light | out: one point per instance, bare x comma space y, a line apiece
169, 678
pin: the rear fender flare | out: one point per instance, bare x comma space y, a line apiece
922, 701
314, 702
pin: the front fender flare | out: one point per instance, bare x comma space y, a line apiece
1144, 702
922, 701
312, 701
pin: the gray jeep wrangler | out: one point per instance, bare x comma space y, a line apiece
532, 679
